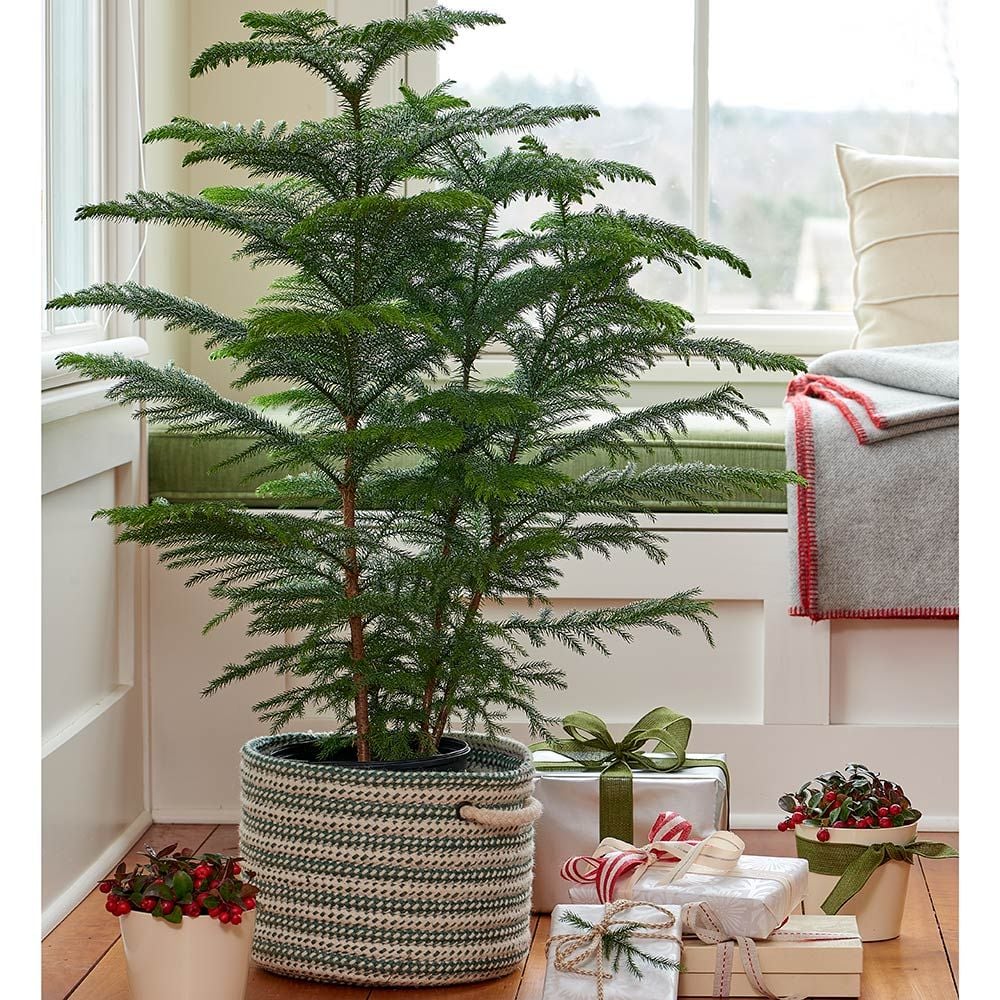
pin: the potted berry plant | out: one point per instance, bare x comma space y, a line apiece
186, 922
858, 832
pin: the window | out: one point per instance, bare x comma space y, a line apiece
91, 152
734, 108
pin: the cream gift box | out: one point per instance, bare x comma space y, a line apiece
815, 956
571, 799
751, 898
662, 939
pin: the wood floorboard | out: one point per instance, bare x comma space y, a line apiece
83, 957
76, 945
942, 884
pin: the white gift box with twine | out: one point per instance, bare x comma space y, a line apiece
579, 969
750, 895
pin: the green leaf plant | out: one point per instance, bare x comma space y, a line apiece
431, 492
172, 884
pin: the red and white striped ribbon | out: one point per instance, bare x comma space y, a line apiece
616, 865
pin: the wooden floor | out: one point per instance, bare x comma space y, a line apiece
83, 956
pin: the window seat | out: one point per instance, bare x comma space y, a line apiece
181, 465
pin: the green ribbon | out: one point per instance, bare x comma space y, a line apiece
591, 747
855, 863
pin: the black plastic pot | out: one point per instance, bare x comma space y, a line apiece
454, 756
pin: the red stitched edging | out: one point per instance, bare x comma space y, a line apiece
805, 465
878, 419
818, 616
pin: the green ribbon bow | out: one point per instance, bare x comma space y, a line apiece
591, 747
855, 863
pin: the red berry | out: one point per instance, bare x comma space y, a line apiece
823, 835
225, 917
124, 907
798, 817
885, 821
104, 887
852, 823
236, 868
166, 907
200, 898
249, 902
148, 904
214, 884
202, 871
111, 906
840, 824
883, 811
895, 810
192, 910
236, 919
782, 826
830, 797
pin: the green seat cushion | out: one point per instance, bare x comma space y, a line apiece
181, 466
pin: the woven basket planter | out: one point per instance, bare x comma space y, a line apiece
390, 878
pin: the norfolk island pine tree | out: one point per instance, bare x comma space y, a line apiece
429, 491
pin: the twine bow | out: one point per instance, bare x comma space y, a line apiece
591, 746
855, 863
616, 865
584, 953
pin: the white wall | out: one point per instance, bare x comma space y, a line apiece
94, 750
784, 697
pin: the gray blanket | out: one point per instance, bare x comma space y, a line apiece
875, 533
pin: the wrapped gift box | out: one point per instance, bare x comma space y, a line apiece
814, 968
570, 822
747, 902
656, 983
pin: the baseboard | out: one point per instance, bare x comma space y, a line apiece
741, 821
196, 815
71, 897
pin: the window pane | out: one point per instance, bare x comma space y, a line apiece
784, 88
632, 60
71, 148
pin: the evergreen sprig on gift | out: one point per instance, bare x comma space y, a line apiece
434, 491
617, 946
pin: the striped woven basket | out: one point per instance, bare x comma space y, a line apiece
390, 878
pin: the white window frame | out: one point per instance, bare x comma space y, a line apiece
805, 333
116, 168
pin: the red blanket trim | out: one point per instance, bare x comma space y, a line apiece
829, 390
927, 613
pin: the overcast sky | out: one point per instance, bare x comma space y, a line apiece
791, 54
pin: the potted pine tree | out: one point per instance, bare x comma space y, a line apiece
392, 850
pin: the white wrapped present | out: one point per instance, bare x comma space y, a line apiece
575, 795
644, 961
751, 895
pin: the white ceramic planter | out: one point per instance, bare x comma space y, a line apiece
879, 905
194, 959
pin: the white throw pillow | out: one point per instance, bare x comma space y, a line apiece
903, 213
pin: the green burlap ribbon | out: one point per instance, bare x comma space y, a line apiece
855, 863
591, 747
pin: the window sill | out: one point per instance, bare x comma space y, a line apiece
66, 394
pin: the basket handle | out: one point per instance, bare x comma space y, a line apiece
501, 819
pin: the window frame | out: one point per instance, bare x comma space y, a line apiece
115, 159
807, 333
